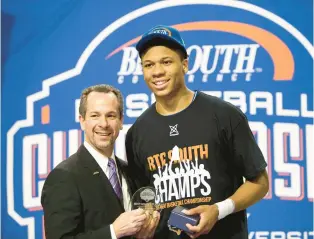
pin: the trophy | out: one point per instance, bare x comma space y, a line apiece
144, 198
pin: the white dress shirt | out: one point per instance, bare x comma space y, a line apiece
103, 163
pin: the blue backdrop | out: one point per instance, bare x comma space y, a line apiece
258, 57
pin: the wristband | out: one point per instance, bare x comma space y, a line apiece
225, 208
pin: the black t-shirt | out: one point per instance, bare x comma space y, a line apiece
197, 156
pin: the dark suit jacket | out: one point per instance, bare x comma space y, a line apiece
78, 203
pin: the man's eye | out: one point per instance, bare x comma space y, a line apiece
168, 62
148, 65
112, 116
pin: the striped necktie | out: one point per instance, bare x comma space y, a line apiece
113, 178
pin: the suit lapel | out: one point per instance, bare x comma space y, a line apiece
98, 178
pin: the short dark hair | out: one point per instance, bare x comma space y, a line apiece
102, 88
166, 43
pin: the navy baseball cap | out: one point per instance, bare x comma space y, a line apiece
161, 35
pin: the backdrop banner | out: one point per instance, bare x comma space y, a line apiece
251, 56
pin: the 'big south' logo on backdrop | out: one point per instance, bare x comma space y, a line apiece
232, 55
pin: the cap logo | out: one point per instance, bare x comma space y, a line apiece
163, 31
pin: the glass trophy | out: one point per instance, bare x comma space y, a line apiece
144, 198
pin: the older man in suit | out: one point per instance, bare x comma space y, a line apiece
88, 195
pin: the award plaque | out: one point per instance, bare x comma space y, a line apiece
144, 198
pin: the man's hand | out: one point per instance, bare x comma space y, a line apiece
129, 223
149, 227
208, 218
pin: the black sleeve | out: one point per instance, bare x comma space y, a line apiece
135, 166
248, 157
63, 210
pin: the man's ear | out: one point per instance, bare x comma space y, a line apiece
121, 124
185, 64
82, 121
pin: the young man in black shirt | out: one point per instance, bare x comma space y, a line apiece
195, 149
